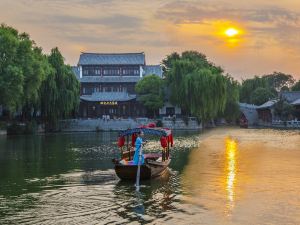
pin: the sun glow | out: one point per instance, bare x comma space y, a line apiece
231, 32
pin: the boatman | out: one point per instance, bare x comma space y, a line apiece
138, 144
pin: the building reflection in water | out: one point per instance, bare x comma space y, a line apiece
231, 171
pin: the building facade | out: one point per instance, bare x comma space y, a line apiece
107, 84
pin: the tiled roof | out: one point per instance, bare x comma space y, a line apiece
268, 104
112, 59
108, 96
109, 79
153, 69
248, 106
290, 96
296, 102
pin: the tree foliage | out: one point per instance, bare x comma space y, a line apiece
195, 84
250, 85
150, 91
279, 80
60, 91
30, 80
252, 89
261, 95
296, 86
232, 109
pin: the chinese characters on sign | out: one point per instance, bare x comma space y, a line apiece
109, 103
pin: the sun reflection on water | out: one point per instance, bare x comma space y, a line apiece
231, 171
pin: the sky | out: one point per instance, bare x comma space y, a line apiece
268, 37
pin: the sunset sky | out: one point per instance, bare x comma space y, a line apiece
265, 35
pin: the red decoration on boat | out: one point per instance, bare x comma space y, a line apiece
133, 139
170, 140
121, 141
163, 142
151, 125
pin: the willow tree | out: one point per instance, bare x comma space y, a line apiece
195, 84
232, 109
59, 92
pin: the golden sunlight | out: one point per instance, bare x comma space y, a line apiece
231, 148
231, 32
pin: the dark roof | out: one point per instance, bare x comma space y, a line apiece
108, 96
296, 102
268, 104
112, 59
109, 79
153, 69
290, 96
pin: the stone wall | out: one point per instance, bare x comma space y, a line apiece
85, 125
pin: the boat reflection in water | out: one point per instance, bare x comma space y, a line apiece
231, 171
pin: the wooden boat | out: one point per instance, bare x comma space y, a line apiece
155, 164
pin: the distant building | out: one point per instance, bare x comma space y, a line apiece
266, 111
108, 84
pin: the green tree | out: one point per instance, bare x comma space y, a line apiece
195, 84
11, 73
150, 91
23, 67
59, 92
249, 85
261, 95
279, 80
296, 86
232, 109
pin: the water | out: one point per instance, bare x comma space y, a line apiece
224, 176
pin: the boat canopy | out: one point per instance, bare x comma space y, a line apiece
147, 130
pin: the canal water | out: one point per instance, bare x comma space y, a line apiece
221, 176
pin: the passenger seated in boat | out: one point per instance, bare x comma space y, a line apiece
138, 143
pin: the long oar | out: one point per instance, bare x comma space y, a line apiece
137, 184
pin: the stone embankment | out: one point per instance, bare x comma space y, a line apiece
86, 125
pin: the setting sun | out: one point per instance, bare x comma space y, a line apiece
231, 32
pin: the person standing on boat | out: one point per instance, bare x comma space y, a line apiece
138, 145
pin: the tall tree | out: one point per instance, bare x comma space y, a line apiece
249, 85
195, 84
232, 109
59, 92
11, 73
150, 91
279, 80
261, 95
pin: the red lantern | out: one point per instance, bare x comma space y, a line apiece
133, 139
151, 125
163, 142
121, 141
170, 139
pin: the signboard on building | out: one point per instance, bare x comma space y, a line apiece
108, 103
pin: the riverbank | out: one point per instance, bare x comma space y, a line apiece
92, 125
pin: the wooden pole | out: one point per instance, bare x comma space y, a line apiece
128, 149
168, 150
137, 185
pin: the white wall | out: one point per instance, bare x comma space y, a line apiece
162, 111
